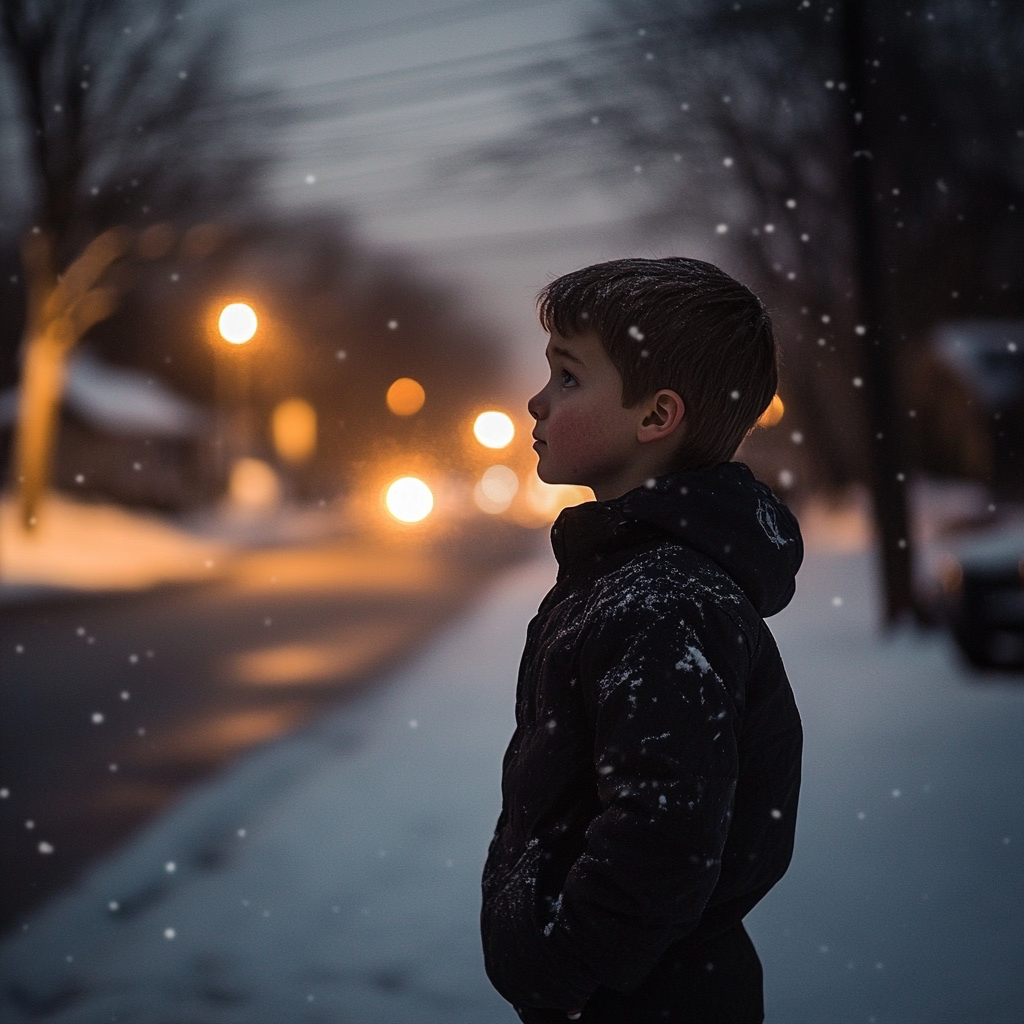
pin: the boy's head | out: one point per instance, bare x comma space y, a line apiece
678, 324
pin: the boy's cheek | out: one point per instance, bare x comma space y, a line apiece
572, 435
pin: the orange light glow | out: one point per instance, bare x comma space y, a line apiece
293, 428
409, 499
237, 323
494, 429
547, 500
406, 397
772, 414
253, 485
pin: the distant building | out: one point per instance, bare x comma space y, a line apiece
987, 358
125, 436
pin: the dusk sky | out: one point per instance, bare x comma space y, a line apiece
415, 84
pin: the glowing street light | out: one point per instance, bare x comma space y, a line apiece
237, 323
494, 429
772, 414
293, 428
406, 397
409, 499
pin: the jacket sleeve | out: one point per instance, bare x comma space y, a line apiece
664, 683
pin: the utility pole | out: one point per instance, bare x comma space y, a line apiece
888, 465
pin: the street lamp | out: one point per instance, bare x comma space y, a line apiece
409, 499
237, 323
494, 429
773, 413
406, 396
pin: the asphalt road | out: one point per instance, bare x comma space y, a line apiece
113, 706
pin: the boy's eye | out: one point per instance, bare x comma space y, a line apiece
568, 380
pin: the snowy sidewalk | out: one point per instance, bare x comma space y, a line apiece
334, 876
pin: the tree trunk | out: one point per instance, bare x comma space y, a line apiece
889, 470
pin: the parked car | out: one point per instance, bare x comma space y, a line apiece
982, 580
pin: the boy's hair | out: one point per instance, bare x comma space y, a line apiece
682, 324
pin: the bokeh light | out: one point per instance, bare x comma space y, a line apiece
406, 397
547, 500
409, 499
495, 490
237, 323
494, 429
293, 428
772, 414
253, 485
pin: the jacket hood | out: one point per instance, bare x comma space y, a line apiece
721, 512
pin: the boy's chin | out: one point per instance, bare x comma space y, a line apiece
550, 476
547, 475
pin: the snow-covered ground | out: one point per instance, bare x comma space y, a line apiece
333, 876
90, 547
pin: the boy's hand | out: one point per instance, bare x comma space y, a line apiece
574, 1014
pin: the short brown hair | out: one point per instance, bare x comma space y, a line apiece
682, 324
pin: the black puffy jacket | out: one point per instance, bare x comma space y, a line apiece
650, 787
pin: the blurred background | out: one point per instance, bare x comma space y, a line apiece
267, 333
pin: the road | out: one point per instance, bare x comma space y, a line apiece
113, 706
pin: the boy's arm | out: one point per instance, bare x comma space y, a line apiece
666, 693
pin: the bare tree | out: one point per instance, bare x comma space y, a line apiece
126, 119
821, 141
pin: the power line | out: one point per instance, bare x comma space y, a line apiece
459, 13
448, 64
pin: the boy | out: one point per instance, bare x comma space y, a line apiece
650, 788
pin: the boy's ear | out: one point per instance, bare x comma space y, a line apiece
663, 416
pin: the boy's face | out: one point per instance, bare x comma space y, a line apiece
583, 433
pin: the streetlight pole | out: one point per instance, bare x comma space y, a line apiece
237, 325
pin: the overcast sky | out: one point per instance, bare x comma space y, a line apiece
406, 85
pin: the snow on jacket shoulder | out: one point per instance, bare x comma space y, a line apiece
650, 788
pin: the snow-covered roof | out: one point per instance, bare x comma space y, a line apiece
120, 400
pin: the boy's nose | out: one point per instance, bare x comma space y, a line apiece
534, 405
